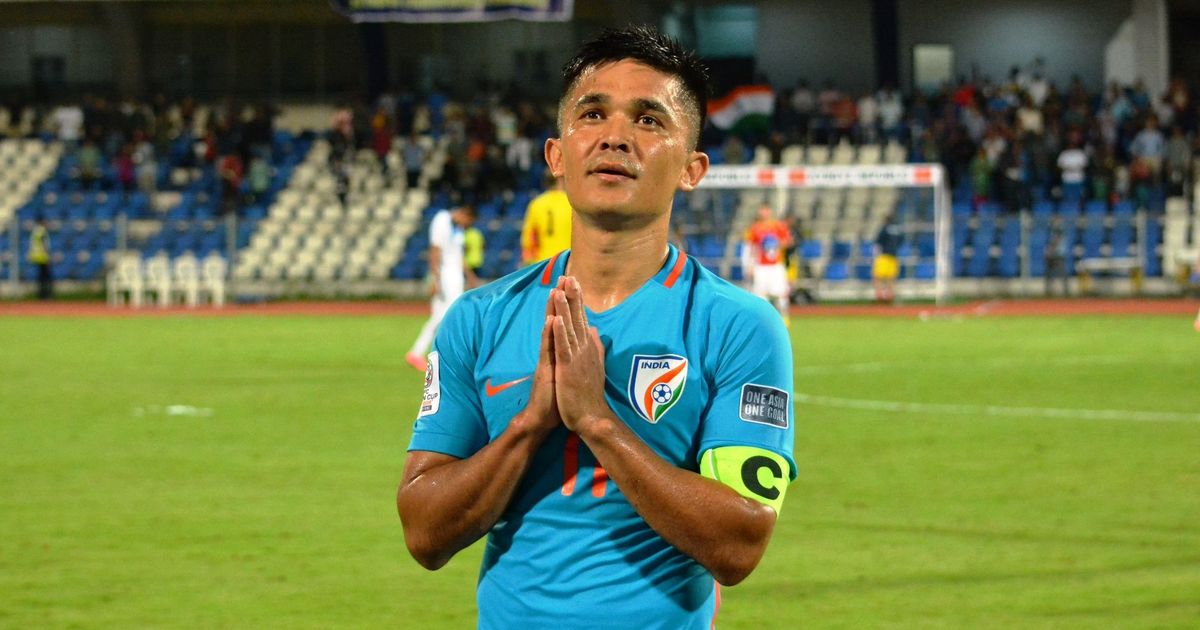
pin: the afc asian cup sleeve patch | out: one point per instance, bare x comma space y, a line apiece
764, 405
432, 399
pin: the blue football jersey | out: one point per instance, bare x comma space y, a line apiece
692, 363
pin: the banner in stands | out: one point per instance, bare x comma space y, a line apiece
454, 11
724, 176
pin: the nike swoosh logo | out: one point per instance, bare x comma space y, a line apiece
492, 390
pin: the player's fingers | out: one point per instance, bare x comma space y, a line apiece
546, 353
562, 353
562, 310
550, 304
578, 314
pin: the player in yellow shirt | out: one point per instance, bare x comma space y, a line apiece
547, 229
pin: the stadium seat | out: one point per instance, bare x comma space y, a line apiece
126, 281
185, 272
158, 279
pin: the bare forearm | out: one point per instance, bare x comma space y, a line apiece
446, 507
708, 521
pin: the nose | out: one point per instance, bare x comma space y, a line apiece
616, 136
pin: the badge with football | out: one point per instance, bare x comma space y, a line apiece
656, 384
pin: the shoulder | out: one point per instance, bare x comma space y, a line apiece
478, 303
728, 306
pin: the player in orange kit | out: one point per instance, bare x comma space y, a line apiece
766, 241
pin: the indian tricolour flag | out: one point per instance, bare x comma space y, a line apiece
746, 108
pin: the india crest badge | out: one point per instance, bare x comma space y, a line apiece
656, 383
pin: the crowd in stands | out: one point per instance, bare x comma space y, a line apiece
121, 144
494, 143
1013, 141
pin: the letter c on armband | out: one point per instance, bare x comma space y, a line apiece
750, 470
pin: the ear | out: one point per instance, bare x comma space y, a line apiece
553, 151
696, 167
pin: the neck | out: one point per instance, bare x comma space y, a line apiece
610, 264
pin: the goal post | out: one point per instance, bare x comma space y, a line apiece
860, 193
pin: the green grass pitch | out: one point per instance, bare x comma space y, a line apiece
190, 472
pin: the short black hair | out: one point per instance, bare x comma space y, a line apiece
645, 45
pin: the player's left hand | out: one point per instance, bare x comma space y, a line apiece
578, 358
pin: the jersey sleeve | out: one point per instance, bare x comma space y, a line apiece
450, 419
751, 402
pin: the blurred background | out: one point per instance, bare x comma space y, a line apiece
996, 461
300, 147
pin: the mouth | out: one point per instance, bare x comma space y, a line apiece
613, 171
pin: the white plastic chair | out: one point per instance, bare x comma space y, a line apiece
212, 278
126, 280
158, 279
186, 272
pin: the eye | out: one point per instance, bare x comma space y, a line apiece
591, 114
646, 119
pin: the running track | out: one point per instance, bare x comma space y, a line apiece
994, 308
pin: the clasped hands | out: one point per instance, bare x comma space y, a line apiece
568, 384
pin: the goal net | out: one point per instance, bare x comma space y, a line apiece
836, 213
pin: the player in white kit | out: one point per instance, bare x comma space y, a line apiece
446, 232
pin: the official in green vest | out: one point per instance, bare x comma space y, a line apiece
472, 255
39, 255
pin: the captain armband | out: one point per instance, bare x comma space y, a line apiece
755, 473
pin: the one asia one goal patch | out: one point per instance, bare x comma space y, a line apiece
764, 405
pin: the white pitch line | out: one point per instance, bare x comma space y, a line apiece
995, 410
880, 366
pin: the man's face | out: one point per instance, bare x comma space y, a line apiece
626, 143
463, 218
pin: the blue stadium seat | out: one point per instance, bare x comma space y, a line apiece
1093, 235
1151, 241
837, 271
1009, 263
1121, 239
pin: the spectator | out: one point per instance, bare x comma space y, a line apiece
414, 159
126, 173
1029, 119
1013, 170
981, 176
1104, 174
1072, 166
868, 119
258, 178
891, 113
341, 129
381, 136
804, 103
845, 116
90, 163
1150, 148
230, 170
146, 163
68, 124
1179, 161
734, 150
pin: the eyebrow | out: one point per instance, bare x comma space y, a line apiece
640, 104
